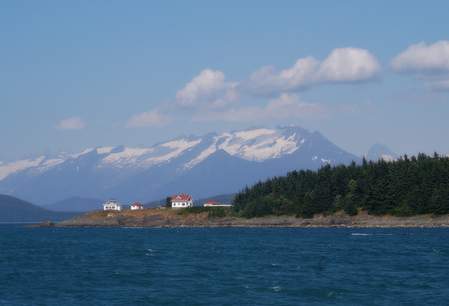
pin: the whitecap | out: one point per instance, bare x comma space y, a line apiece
330, 293
276, 288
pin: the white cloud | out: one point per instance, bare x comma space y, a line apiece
427, 62
348, 65
151, 118
209, 88
341, 65
209, 96
71, 123
284, 107
423, 58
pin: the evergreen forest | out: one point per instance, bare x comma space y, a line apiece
404, 187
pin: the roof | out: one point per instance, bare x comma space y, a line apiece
136, 204
212, 202
181, 197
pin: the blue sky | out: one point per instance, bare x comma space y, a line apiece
82, 74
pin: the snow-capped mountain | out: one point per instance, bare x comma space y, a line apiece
380, 151
203, 166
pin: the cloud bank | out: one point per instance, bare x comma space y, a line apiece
71, 123
145, 119
210, 96
429, 62
423, 58
209, 88
342, 65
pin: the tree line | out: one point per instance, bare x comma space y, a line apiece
404, 187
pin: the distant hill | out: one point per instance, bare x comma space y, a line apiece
15, 210
75, 204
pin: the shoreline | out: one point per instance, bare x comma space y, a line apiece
168, 218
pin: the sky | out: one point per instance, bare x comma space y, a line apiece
80, 74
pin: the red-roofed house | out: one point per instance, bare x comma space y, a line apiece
182, 200
136, 206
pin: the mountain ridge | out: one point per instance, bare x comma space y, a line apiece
16, 210
195, 163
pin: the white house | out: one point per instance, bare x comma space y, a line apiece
212, 203
112, 205
182, 200
136, 206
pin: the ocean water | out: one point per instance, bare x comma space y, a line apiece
223, 266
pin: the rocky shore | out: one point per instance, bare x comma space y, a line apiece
175, 218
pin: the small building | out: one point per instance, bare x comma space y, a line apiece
136, 206
182, 200
213, 203
112, 205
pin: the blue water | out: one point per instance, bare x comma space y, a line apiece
226, 266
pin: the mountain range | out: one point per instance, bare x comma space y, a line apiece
216, 163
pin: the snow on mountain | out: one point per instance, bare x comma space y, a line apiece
202, 156
104, 150
147, 157
252, 134
126, 157
381, 152
49, 163
170, 150
21, 165
253, 145
84, 152
149, 172
260, 144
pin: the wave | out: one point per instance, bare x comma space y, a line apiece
369, 234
